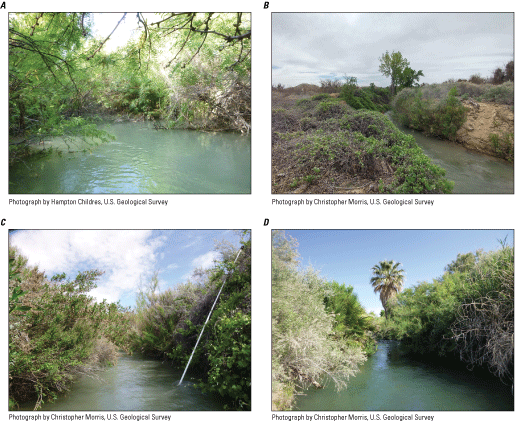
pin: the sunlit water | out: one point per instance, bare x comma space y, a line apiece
141, 160
471, 172
390, 380
135, 383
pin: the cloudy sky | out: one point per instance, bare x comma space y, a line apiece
309, 47
128, 257
347, 256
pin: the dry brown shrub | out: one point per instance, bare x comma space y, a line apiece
105, 353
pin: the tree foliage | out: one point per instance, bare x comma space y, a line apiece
467, 313
397, 68
191, 69
57, 331
387, 280
169, 322
305, 349
351, 322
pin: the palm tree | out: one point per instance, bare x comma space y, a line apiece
387, 280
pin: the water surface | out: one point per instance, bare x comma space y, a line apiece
135, 383
140, 160
471, 172
390, 380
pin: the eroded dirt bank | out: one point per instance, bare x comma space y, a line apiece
484, 119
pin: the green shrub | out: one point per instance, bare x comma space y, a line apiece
440, 118
466, 313
500, 94
229, 357
365, 140
169, 323
503, 145
58, 337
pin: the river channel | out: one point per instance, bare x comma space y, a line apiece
471, 172
390, 380
140, 160
134, 383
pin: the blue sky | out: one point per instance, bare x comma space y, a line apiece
347, 256
128, 257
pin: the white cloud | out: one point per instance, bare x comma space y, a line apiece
207, 260
127, 257
204, 261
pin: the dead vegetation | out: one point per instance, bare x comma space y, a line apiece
322, 145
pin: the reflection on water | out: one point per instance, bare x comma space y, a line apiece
471, 172
390, 380
141, 160
135, 383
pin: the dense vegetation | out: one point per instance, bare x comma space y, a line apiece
465, 314
168, 324
439, 118
305, 353
438, 109
370, 98
330, 147
189, 70
58, 332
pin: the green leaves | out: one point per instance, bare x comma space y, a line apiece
466, 313
14, 300
61, 329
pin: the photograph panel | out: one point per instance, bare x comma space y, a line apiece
129, 320
392, 320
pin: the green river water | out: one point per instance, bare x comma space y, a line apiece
140, 160
471, 172
135, 383
390, 380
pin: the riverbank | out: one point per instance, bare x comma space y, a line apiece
322, 145
471, 171
485, 123
479, 117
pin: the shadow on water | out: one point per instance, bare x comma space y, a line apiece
390, 380
470, 171
140, 160
136, 383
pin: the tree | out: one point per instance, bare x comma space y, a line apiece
463, 263
388, 280
396, 67
508, 71
409, 78
392, 66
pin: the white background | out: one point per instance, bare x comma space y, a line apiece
243, 211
